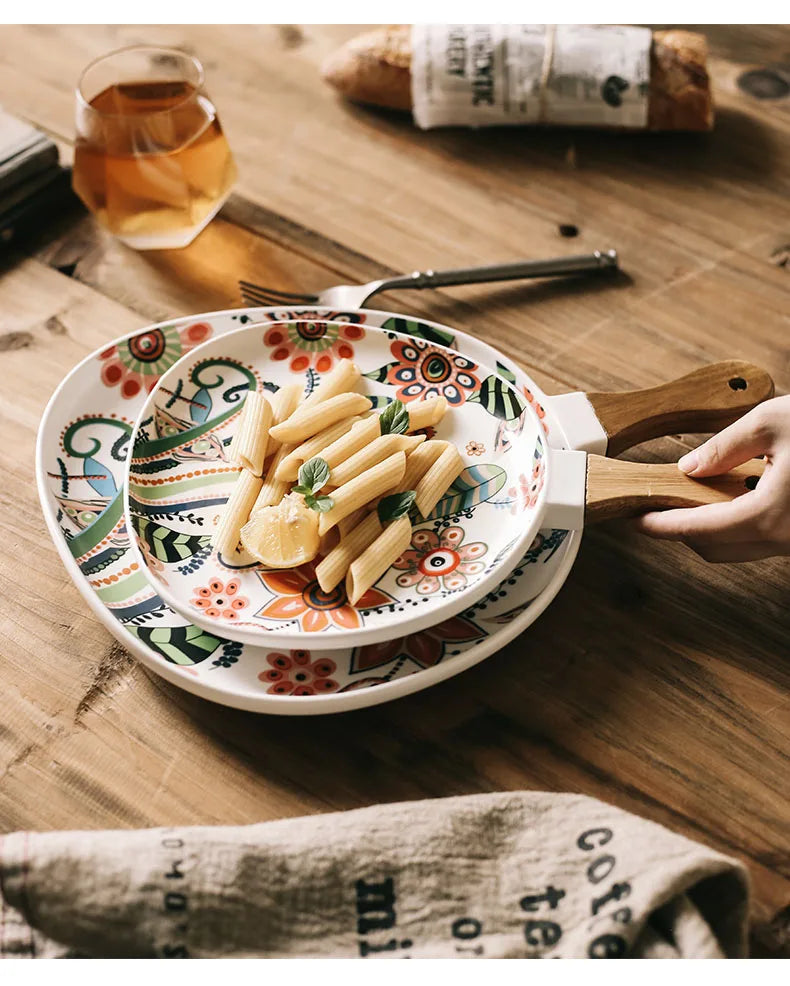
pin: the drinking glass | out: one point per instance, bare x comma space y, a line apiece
151, 160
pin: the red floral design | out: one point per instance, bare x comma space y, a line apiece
298, 596
422, 370
525, 495
425, 648
314, 344
297, 674
220, 600
537, 407
136, 364
437, 560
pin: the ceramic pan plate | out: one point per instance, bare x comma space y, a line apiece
80, 460
180, 477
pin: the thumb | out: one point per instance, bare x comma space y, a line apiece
745, 439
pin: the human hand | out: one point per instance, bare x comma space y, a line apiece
754, 525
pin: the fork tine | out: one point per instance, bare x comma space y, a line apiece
261, 299
262, 289
258, 291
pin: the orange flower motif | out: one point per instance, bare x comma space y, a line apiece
317, 344
220, 599
297, 674
440, 560
298, 596
421, 370
136, 364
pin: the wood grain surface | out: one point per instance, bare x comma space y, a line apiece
707, 399
617, 489
654, 681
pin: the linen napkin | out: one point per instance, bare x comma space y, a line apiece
509, 875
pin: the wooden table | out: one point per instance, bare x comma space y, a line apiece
654, 681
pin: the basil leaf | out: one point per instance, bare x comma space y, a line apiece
304, 490
394, 419
314, 474
395, 505
319, 503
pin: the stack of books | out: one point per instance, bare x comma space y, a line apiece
33, 185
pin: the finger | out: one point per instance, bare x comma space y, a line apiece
745, 439
717, 553
735, 520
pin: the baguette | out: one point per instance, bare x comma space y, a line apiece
374, 67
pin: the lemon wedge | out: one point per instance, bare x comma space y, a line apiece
283, 536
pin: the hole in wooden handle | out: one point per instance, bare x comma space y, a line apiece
751, 482
696, 402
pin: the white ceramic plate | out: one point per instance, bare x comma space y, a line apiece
180, 477
80, 458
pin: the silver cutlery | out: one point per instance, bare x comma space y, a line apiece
350, 296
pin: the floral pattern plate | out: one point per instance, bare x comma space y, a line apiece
82, 446
180, 477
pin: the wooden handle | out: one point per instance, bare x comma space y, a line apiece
706, 400
625, 489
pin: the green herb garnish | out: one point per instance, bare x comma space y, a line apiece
319, 503
313, 476
394, 419
396, 505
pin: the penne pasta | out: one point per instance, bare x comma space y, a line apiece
425, 413
357, 492
436, 481
273, 489
374, 561
367, 431
337, 381
308, 421
349, 523
283, 403
418, 463
278, 433
288, 470
332, 570
371, 455
248, 447
236, 513
361, 434
329, 541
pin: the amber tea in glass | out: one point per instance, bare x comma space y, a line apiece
151, 160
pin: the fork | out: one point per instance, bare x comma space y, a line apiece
349, 296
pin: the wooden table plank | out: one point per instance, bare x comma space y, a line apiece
654, 681
658, 198
594, 743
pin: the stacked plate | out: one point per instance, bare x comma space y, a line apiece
133, 471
